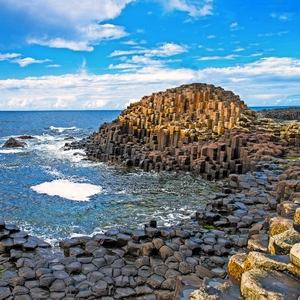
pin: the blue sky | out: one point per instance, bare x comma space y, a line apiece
104, 54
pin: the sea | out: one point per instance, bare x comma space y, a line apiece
56, 194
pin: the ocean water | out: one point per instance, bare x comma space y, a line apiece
56, 194
258, 108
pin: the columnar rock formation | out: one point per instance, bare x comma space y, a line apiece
182, 115
198, 128
271, 267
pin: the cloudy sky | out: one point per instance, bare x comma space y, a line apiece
104, 54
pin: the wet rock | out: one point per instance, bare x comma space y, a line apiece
4, 292
282, 243
279, 225
100, 289
124, 292
13, 143
39, 293
236, 267
165, 252
270, 284
224, 291
295, 255
261, 260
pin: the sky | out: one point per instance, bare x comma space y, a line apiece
105, 54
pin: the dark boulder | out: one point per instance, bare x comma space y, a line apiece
13, 143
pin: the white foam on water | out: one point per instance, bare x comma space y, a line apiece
10, 151
68, 189
62, 129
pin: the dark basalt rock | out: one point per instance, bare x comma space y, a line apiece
13, 143
27, 137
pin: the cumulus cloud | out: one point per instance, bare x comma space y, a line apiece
267, 79
71, 24
24, 62
194, 8
94, 104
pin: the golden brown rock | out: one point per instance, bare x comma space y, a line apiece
257, 260
269, 285
282, 243
279, 225
295, 255
236, 267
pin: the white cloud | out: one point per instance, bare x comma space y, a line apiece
21, 103
53, 66
91, 35
256, 54
214, 49
123, 66
94, 104
24, 62
280, 33
227, 57
71, 24
211, 36
60, 104
8, 56
267, 79
194, 8
239, 49
282, 16
233, 26
142, 57
138, 62
167, 49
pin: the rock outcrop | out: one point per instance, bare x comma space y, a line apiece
13, 143
270, 269
198, 128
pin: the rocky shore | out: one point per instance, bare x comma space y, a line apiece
281, 114
168, 262
245, 239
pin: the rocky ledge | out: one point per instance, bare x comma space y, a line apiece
282, 114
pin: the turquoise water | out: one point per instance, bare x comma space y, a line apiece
56, 194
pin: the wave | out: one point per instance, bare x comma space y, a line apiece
62, 129
10, 151
68, 189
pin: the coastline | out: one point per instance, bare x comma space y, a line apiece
249, 154
149, 263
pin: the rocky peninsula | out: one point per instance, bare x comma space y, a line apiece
243, 242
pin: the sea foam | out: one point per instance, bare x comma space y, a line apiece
8, 151
68, 189
61, 129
